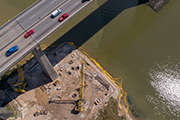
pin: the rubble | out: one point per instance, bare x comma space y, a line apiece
60, 97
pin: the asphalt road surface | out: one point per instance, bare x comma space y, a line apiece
39, 19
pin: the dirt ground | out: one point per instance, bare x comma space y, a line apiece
59, 98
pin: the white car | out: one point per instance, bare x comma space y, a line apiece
56, 13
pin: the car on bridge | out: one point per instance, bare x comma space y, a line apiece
64, 16
29, 33
11, 50
85, 0
55, 13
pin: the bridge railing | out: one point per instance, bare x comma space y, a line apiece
20, 13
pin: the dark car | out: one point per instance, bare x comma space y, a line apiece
29, 33
85, 0
64, 16
11, 50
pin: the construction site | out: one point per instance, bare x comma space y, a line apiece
79, 92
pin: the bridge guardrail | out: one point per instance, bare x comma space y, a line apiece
30, 25
20, 13
45, 15
39, 41
70, 17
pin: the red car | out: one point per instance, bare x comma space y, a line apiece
29, 33
65, 15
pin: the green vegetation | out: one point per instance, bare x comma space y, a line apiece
8, 74
109, 112
5, 77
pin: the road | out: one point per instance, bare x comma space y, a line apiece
37, 18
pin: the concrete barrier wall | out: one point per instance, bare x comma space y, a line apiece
20, 14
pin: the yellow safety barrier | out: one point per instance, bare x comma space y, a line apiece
114, 80
122, 95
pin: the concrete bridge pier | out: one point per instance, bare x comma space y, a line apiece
5, 114
44, 63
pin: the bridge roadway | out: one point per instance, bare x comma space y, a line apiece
37, 18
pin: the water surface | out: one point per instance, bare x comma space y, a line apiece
132, 41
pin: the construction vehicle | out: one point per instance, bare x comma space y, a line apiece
43, 88
78, 103
22, 82
40, 112
79, 108
56, 82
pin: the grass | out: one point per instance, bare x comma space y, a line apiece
8, 74
110, 112
5, 77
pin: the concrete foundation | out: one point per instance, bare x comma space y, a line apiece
156, 5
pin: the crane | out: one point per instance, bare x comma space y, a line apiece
22, 82
79, 108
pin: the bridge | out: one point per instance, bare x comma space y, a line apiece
36, 17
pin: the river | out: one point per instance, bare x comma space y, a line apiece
131, 41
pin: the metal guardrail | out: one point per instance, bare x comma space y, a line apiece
39, 41
45, 15
12, 20
20, 14
64, 22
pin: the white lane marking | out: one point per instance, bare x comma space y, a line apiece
76, 3
32, 16
28, 11
35, 34
61, 23
53, 1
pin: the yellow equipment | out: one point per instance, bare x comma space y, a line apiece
56, 82
79, 108
43, 88
40, 112
22, 82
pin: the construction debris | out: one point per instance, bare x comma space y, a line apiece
79, 85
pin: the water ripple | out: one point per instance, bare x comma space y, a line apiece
165, 78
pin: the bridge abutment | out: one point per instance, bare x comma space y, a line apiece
44, 63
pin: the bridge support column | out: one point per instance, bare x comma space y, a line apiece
4, 114
44, 63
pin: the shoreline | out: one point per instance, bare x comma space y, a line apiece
32, 94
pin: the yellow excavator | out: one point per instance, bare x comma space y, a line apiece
79, 108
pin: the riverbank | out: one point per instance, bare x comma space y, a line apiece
40, 90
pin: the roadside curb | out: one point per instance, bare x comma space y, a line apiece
20, 13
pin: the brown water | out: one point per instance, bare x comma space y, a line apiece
136, 43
